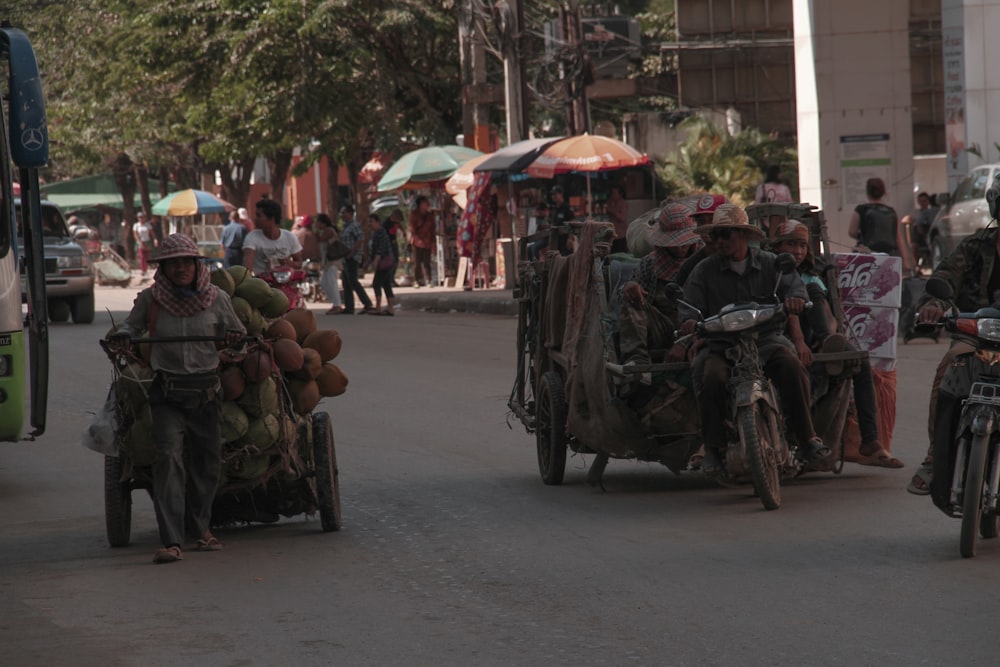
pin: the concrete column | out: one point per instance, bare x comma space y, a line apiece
852, 81
971, 84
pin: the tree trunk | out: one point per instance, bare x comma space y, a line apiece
124, 173
281, 163
236, 181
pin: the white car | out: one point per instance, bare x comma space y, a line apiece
963, 212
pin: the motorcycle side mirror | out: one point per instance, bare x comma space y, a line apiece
939, 288
785, 263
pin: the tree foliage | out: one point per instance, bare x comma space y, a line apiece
712, 160
194, 86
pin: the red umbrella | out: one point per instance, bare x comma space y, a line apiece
585, 152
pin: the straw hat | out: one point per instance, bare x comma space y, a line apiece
730, 216
674, 227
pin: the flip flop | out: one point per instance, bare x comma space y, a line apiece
168, 555
208, 543
920, 485
880, 459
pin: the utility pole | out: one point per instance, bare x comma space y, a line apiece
509, 20
575, 69
475, 125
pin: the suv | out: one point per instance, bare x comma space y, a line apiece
963, 213
69, 277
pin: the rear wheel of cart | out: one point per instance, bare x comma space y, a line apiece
550, 428
117, 503
327, 474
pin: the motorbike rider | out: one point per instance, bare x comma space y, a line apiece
973, 271
740, 273
270, 246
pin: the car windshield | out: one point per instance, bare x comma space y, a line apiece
52, 222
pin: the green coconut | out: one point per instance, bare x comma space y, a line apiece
260, 398
234, 422
255, 291
276, 305
224, 281
263, 432
244, 311
256, 325
239, 274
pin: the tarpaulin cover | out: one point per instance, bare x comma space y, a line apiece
575, 305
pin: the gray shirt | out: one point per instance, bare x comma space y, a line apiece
713, 284
183, 358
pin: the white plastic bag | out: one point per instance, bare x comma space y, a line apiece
100, 434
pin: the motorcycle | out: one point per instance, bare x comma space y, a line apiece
757, 446
287, 280
973, 486
310, 288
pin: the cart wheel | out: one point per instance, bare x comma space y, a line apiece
327, 480
117, 503
550, 428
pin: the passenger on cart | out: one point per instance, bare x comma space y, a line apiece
648, 315
184, 398
739, 273
815, 330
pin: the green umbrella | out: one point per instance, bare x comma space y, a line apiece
425, 165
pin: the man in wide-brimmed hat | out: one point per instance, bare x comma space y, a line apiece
648, 314
739, 273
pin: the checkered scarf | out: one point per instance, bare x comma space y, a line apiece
181, 301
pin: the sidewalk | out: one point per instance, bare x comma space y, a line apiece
431, 299
456, 299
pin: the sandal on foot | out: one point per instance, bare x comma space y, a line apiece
814, 451
168, 555
881, 459
920, 485
208, 543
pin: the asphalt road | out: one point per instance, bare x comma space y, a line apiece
454, 553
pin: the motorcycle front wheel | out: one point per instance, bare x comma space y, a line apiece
758, 431
972, 494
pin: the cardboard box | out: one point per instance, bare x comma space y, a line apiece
869, 280
874, 328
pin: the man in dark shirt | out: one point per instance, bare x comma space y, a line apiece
561, 211
739, 273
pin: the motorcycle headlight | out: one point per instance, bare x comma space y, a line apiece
282, 277
738, 320
988, 329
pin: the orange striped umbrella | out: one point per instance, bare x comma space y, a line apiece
191, 202
585, 152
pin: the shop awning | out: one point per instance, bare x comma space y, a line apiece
92, 192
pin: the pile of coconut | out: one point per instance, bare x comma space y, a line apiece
267, 391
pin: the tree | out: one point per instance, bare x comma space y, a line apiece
711, 160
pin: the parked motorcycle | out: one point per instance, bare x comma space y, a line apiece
757, 446
310, 288
288, 281
975, 480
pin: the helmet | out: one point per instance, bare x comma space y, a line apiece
993, 196
177, 245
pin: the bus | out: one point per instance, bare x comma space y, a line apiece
24, 149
